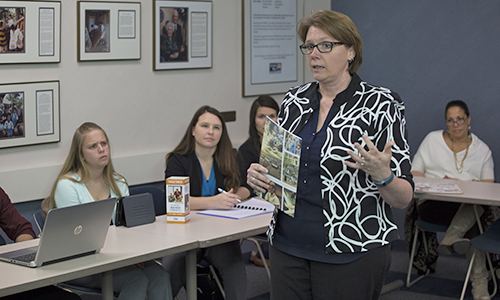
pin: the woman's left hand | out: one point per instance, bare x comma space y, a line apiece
373, 162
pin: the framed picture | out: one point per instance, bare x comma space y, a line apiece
272, 62
109, 31
182, 33
29, 113
31, 31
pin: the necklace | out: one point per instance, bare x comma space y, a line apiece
460, 167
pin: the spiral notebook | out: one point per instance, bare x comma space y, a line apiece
245, 209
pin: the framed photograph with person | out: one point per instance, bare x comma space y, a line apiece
30, 32
109, 31
29, 113
182, 34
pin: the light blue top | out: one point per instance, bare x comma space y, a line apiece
69, 193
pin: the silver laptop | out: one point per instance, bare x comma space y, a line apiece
69, 232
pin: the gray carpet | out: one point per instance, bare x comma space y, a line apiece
445, 284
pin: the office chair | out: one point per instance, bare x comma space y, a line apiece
257, 239
39, 217
421, 226
204, 263
489, 242
157, 193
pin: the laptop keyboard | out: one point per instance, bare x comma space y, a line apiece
26, 257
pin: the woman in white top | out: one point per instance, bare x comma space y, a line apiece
88, 175
455, 154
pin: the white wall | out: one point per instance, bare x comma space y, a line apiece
144, 112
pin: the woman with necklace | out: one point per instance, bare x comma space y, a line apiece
456, 154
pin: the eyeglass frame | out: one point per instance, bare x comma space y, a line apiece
459, 121
316, 46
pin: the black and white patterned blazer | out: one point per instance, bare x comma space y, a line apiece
356, 218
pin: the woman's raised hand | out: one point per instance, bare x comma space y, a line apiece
373, 162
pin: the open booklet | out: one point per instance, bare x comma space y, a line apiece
245, 209
280, 154
443, 188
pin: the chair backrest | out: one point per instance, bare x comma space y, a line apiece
430, 227
157, 193
489, 241
39, 217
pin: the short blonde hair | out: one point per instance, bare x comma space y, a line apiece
338, 26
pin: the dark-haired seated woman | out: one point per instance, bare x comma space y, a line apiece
456, 154
206, 155
249, 152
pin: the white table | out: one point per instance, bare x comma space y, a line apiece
209, 231
474, 192
128, 246
123, 247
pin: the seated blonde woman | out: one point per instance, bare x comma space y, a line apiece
88, 175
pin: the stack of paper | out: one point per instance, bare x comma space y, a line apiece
446, 188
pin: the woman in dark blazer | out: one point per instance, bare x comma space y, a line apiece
206, 155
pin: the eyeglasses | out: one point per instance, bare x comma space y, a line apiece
323, 47
459, 121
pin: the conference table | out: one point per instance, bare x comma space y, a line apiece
122, 248
473, 192
128, 246
209, 231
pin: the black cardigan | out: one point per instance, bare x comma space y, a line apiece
188, 165
247, 154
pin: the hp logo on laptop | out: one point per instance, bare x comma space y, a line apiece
78, 230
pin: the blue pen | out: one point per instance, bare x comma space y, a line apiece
222, 191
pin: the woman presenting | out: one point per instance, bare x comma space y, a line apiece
354, 165
461, 155
88, 175
206, 155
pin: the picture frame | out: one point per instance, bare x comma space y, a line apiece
29, 113
108, 31
188, 44
34, 32
271, 65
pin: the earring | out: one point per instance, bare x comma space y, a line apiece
351, 60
